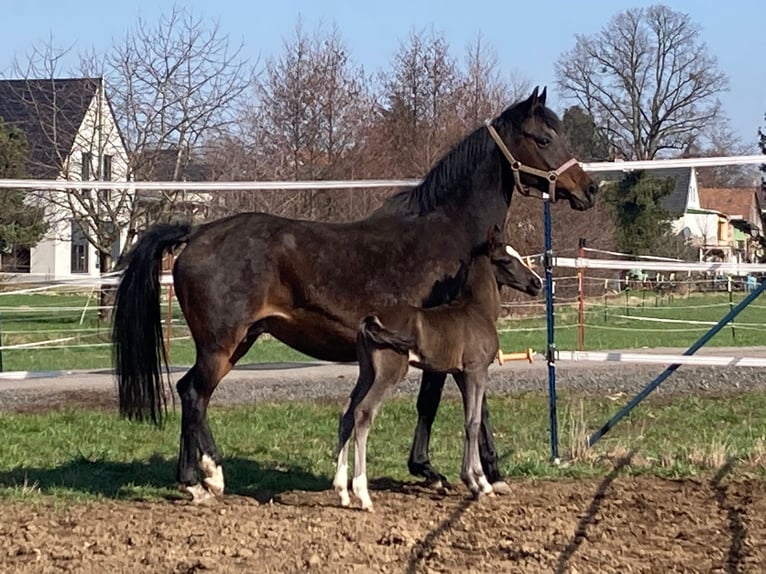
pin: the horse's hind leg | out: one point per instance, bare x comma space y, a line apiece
197, 447
429, 396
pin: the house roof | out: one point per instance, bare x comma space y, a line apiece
49, 112
675, 202
160, 165
729, 201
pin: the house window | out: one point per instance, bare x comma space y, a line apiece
85, 171
107, 173
79, 249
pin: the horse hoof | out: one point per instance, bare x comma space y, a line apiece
199, 494
213, 487
501, 488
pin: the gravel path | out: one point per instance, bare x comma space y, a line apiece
258, 383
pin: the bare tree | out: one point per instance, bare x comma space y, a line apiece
648, 80
419, 119
484, 91
313, 103
176, 84
722, 141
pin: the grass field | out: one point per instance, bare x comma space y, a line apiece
274, 447
616, 323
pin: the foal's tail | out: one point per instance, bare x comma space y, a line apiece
138, 348
374, 332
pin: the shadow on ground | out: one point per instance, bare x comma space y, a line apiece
154, 478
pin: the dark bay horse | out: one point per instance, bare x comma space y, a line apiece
459, 337
309, 283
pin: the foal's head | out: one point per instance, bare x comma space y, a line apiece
511, 270
509, 267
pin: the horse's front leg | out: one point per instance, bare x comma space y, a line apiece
474, 386
488, 453
419, 464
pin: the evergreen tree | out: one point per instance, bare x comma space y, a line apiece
587, 141
21, 224
642, 224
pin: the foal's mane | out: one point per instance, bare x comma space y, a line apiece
449, 181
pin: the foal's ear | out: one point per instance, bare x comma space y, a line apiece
494, 234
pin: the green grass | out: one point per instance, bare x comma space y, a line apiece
75, 455
610, 325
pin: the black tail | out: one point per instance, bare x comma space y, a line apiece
137, 329
374, 332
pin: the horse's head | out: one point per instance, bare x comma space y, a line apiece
539, 153
510, 268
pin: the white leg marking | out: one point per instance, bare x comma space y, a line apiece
486, 487
213, 472
360, 489
340, 483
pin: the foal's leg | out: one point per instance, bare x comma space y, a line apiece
431, 387
474, 384
346, 421
389, 370
487, 452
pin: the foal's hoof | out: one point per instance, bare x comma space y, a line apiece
501, 488
199, 494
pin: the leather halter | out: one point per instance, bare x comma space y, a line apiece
517, 167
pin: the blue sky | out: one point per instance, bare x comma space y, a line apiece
528, 36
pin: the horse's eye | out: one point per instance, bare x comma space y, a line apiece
542, 142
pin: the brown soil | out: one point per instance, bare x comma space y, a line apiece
616, 524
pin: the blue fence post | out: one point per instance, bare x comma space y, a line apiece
551, 349
672, 368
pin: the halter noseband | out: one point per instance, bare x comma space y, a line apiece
517, 167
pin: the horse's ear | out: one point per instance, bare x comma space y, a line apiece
544, 93
533, 99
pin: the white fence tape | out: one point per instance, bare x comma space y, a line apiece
594, 167
619, 265
659, 359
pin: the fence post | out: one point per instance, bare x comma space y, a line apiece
1, 343
731, 305
581, 297
551, 348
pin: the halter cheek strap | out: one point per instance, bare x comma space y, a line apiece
517, 167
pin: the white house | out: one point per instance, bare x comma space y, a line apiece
711, 219
72, 135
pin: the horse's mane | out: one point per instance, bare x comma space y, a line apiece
448, 181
